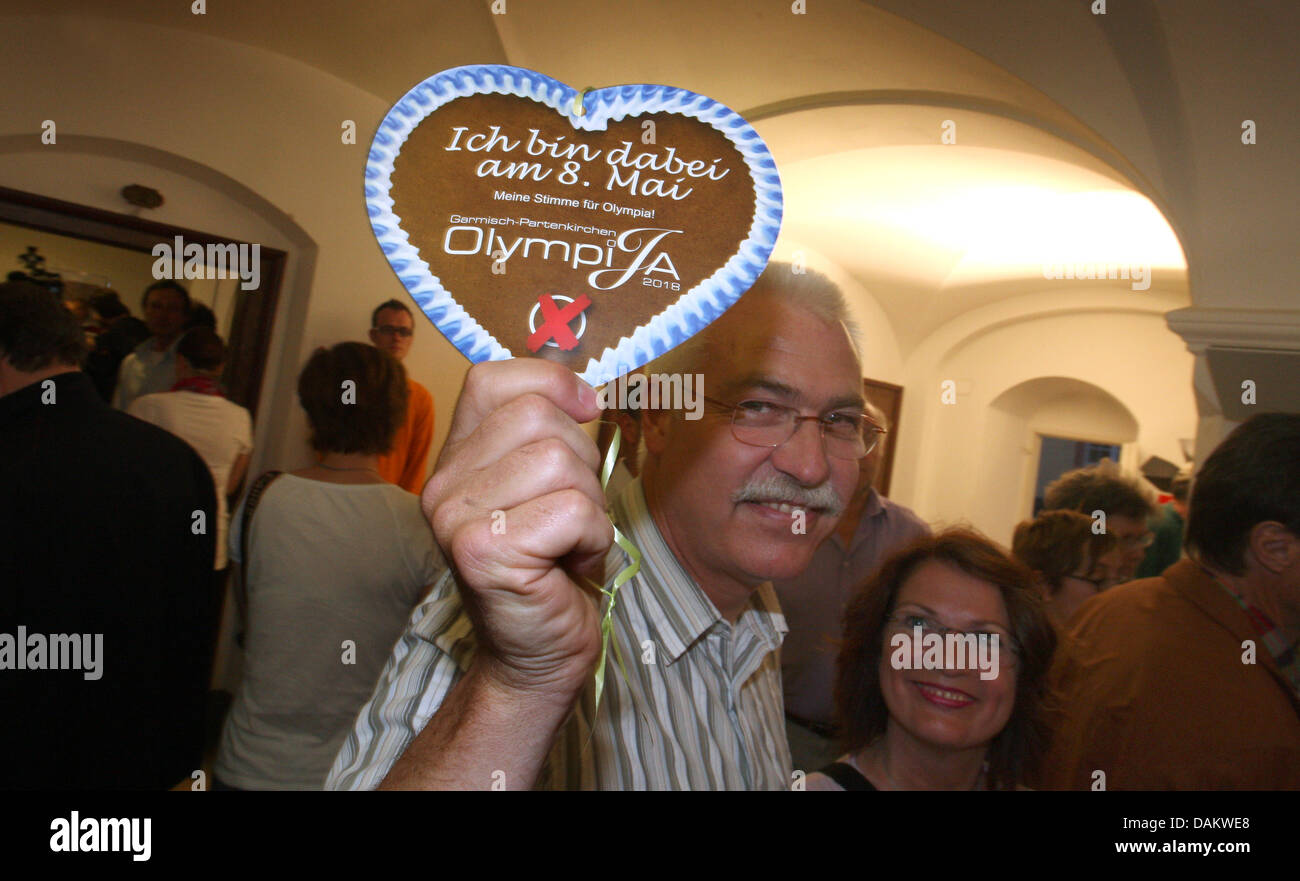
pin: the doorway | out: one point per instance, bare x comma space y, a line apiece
102, 246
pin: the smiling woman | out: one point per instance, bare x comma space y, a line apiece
935, 724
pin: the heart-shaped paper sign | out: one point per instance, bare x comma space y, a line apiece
599, 230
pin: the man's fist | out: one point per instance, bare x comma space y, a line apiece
516, 505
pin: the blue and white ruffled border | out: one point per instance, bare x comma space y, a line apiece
693, 311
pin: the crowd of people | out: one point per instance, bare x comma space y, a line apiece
125, 456
775, 633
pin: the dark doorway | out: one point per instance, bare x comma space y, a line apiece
252, 312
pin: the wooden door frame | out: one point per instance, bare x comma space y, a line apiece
889, 398
254, 316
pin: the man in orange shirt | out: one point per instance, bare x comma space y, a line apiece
391, 329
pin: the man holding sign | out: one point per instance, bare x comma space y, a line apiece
593, 231
726, 503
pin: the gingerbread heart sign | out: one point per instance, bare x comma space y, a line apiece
597, 229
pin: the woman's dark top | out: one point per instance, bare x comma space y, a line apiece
848, 777
111, 348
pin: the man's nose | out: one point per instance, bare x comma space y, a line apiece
803, 456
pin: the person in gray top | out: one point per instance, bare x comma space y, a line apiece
337, 558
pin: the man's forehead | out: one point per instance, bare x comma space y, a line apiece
393, 315
791, 369
792, 388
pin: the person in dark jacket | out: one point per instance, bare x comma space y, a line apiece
107, 537
122, 333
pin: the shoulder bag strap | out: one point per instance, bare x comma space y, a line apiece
245, 530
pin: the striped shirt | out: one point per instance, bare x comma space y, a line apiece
700, 708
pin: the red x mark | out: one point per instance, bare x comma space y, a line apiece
555, 323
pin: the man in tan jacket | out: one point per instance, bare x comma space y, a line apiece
1191, 680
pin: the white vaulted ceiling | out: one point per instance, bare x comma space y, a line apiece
852, 99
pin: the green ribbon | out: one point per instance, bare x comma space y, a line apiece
622, 578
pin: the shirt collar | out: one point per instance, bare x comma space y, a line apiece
678, 609
873, 506
1281, 644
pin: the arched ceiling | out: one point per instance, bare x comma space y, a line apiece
853, 101
934, 230
384, 49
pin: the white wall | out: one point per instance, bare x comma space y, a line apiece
1135, 364
1171, 86
1010, 449
1084, 414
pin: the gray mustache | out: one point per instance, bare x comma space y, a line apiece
783, 489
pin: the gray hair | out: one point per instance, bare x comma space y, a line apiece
805, 289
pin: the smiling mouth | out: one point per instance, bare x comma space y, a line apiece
784, 508
949, 698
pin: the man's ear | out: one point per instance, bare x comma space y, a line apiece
1275, 547
374, 337
655, 428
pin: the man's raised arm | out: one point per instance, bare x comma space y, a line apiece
517, 508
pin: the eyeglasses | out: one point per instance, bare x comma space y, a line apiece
1138, 541
847, 434
907, 622
390, 330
